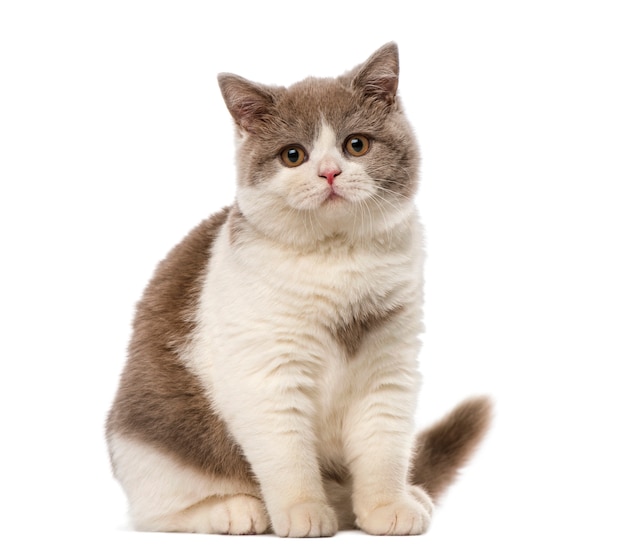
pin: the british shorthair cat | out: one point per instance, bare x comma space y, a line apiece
271, 380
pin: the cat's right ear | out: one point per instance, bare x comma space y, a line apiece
250, 104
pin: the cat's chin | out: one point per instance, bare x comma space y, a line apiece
339, 200
334, 203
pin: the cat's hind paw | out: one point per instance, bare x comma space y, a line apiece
239, 515
236, 514
306, 520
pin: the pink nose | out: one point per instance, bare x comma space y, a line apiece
330, 174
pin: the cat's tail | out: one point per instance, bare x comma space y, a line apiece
445, 447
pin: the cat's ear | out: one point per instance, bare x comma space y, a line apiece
378, 76
250, 104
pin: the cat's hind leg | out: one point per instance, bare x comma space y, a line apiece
231, 514
167, 496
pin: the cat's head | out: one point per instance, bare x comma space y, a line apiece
324, 157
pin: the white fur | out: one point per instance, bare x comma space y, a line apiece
287, 390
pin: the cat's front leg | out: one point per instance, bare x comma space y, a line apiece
379, 436
274, 426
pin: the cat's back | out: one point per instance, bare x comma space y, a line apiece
158, 399
166, 308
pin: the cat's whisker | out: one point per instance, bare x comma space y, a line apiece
382, 213
371, 219
393, 205
354, 208
308, 222
320, 226
362, 217
391, 192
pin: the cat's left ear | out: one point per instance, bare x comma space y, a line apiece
378, 76
250, 104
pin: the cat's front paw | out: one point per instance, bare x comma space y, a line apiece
306, 520
406, 517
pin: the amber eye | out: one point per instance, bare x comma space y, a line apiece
357, 145
293, 156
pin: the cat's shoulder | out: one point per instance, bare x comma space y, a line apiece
181, 271
196, 245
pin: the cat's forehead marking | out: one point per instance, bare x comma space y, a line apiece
325, 155
326, 138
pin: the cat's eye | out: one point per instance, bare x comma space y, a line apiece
357, 145
293, 156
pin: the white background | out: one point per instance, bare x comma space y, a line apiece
114, 142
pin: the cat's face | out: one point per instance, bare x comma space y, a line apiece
324, 157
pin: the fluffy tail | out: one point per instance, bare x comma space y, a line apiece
445, 447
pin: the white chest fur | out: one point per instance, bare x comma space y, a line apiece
268, 318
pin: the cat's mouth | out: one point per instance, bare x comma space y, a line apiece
333, 196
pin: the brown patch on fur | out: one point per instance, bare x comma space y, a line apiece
159, 400
350, 335
236, 225
336, 472
442, 449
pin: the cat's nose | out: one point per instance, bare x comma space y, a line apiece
329, 174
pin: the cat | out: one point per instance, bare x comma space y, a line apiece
271, 379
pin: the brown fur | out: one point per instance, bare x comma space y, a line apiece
351, 334
236, 226
159, 401
442, 449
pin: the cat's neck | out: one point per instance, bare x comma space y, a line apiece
308, 233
